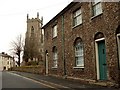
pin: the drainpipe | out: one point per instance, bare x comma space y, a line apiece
118, 26
63, 47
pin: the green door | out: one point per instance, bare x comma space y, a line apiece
102, 60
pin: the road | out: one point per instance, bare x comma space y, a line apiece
27, 81
0, 79
12, 80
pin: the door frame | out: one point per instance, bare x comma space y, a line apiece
97, 56
46, 63
118, 41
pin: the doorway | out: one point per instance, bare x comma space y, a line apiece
46, 62
102, 60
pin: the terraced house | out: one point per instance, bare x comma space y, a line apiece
6, 61
83, 42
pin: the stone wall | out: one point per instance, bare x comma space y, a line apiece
29, 69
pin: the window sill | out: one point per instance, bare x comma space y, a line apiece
54, 37
54, 67
96, 16
76, 26
78, 67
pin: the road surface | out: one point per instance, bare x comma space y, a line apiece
12, 80
28, 81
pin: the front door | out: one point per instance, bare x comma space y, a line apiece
4, 68
102, 60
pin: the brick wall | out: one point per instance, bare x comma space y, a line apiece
106, 23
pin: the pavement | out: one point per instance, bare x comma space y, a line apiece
60, 82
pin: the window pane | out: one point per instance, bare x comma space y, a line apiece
76, 58
55, 57
94, 10
55, 31
76, 53
79, 61
77, 17
75, 21
97, 9
56, 63
79, 54
78, 12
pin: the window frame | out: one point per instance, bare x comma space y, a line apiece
32, 32
95, 11
76, 17
80, 52
54, 31
118, 42
55, 58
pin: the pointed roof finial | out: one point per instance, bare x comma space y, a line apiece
42, 20
27, 16
37, 15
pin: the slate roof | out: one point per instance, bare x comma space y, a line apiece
5, 55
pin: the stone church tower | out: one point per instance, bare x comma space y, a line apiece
33, 50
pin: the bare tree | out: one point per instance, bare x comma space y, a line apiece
18, 47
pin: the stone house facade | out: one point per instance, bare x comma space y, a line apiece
6, 61
82, 41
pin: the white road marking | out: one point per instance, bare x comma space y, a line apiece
33, 80
42, 81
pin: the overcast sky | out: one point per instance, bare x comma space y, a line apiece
13, 15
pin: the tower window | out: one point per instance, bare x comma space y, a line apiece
32, 31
